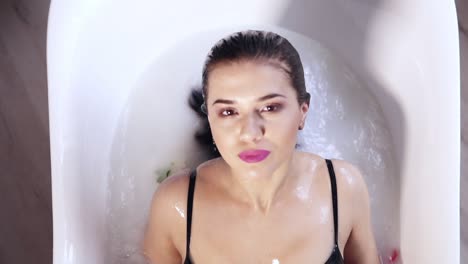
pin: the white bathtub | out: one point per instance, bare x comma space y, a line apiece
406, 53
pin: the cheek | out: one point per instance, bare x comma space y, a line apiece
226, 139
284, 132
223, 133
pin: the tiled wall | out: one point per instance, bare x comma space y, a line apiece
25, 198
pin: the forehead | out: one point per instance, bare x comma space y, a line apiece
247, 79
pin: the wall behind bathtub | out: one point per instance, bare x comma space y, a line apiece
25, 197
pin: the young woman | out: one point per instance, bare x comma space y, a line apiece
260, 200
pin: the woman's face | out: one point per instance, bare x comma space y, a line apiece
252, 105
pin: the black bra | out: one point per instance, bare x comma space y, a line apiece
335, 256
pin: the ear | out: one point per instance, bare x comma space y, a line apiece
304, 109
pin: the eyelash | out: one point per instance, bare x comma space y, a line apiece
276, 107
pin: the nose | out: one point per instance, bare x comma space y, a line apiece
252, 128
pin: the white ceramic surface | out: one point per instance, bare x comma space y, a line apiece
406, 51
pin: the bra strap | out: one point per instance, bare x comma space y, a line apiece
191, 190
334, 197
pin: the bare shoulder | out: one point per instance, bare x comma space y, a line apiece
352, 188
172, 192
173, 188
360, 246
170, 198
349, 177
162, 243
350, 182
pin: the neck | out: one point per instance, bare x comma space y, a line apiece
261, 191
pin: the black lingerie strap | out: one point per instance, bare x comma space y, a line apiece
334, 197
191, 190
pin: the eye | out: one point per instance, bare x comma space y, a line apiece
272, 108
227, 112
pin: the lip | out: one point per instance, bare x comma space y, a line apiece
254, 155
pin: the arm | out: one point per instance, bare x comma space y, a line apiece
360, 247
159, 247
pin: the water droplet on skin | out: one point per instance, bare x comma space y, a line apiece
302, 192
324, 212
348, 175
179, 209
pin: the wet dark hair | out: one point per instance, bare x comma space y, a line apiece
250, 45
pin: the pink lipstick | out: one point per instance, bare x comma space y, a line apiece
254, 155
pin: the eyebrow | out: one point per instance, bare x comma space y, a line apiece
263, 98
